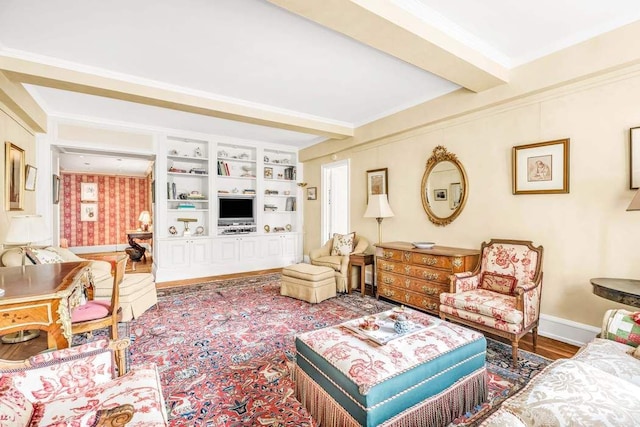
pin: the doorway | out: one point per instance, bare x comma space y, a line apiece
335, 199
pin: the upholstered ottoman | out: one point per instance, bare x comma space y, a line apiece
137, 294
308, 282
424, 378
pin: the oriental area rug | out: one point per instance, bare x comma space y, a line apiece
225, 351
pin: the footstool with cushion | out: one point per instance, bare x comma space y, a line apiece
308, 282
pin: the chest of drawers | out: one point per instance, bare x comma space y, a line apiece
416, 277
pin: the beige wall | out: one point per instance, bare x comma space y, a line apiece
586, 233
13, 131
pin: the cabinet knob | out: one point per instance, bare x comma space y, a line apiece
389, 293
388, 267
387, 254
430, 276
429, 291
429, 261
429, 305
388, 280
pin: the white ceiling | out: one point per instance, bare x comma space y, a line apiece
255, 53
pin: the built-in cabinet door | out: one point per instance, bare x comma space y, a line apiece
248, 248
174, 253
200, 251
225, 250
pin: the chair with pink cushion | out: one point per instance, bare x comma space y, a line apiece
502, 295
99, 314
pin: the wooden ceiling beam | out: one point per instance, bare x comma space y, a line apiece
386, 27
57, 77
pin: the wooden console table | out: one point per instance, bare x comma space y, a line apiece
416, 277
361, 260
42, 297
625, 291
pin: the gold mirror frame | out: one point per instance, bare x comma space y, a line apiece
440, 154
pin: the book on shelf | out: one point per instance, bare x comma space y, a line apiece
291, 204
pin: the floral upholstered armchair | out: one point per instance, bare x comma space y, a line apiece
335, 254
502, 295
78, 387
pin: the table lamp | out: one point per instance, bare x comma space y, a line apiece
378, 208
635, 202
23, 231
145, 219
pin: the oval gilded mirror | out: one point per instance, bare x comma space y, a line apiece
444, 187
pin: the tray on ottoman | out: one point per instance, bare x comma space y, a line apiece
428, 377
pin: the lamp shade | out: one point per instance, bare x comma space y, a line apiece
25, 229
145, 217
378, 207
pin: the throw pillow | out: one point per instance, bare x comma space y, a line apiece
43, 256
498, 283
15, 409
618, 325
343, 243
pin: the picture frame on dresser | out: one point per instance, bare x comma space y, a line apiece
634, 158
541, 168
377, 182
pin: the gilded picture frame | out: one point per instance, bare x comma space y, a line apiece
541, 168
634, 158
14, 177
377, 182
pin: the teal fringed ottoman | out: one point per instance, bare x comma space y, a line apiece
423, 378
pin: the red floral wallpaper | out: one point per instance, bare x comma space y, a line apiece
120, 201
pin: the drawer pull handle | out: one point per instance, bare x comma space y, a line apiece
429, 291
429, 305
389, 293
430, 276
388, 280
388, 267
387, 254
429, 261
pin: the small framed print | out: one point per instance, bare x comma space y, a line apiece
440, 194
541, 168
268, 173
312, 193
377, 182
88, 212
88, 191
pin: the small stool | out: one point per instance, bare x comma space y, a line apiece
311, 283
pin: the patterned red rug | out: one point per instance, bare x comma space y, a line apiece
224, 350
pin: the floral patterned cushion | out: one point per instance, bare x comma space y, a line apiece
140, 387
491, 304
500, 283
15, 409
510, 259
343, 243
43, 256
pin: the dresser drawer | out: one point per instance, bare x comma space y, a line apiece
410, 298
389, 266
429, 260
425, 273
391, 254
411, 284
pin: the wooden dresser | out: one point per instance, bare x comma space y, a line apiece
416, 277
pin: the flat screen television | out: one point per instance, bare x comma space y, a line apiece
235, 209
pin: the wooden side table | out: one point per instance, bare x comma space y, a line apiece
361, 260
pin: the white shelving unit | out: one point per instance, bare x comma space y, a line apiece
192, 178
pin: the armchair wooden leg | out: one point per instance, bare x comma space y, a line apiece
535, 338
514, 352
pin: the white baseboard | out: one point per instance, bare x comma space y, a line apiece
566, 330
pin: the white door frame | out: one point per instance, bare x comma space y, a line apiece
326, 170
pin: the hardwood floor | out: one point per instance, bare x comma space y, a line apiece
547, 347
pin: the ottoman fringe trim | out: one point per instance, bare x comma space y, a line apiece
322, 407
437, 410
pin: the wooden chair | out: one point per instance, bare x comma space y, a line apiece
502, 295
99, 314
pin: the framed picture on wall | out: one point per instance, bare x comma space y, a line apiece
541, 168
312, 193
89, 191
30, 178
377, 182
88, 212
14, 177
634, 158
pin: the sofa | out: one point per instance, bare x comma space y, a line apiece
79, 386
137, 290
600, 385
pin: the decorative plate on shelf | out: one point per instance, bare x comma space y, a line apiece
288, 227
423, 245
267, 228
